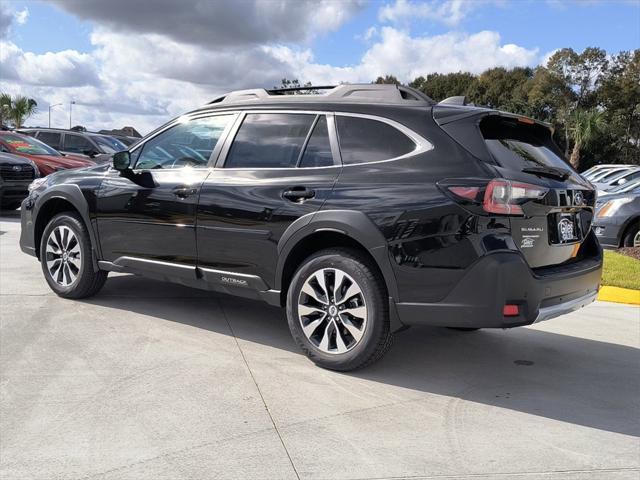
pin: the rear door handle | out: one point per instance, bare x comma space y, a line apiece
184, 191
298, 194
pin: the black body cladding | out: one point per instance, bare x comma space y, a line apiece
244, 230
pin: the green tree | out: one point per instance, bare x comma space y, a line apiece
16, 109
551, 99
582, 72
587, 125
295, 83
440, 86
503, 89
619, 95
5, 107
387, 79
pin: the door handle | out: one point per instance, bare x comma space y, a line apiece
298, 194
184, 191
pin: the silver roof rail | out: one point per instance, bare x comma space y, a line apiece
383, 93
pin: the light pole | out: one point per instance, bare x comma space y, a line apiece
50, 107
72, 102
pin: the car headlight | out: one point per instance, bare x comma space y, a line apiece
610, 208
37, 183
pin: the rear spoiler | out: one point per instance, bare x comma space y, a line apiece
453, 109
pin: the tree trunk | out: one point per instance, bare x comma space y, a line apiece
575, 156
566, 138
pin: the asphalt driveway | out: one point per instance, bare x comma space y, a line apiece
155, 381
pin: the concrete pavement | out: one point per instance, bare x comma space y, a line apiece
155, 381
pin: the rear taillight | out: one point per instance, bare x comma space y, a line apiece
505, 196
500, 196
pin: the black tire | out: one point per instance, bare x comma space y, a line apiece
88, 282
630, 234
376, 338
463, 329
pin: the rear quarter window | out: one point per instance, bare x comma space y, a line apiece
365, 140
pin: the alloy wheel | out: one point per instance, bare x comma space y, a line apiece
636, 239
332, 311
63, 256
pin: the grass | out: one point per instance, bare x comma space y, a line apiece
621, 271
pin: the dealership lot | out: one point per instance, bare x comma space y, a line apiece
150, 380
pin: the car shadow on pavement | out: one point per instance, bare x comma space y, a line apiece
562, 377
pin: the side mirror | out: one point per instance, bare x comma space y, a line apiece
122, 161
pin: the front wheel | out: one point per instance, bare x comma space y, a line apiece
632, 236
65, 255
338, 311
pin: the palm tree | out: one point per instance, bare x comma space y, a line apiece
5, 107
21, 109
586, 125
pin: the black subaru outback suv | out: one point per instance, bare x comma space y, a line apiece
361, 210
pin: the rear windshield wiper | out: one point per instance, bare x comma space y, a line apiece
551, 172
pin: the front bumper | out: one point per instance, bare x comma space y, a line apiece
27, 237
608, 233
13, 191
497, 279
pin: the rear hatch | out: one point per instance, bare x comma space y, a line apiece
549, 205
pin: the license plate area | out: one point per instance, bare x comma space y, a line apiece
564, 228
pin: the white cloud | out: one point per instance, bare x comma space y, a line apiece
449, 12
21, 16
59, 69
164, 69
408, 57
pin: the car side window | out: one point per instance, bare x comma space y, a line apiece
187, 144
317, 153
76, 144
269, 140
365, 140
50, 138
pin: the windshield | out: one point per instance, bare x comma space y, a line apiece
28, 145
516, 146
626, 187
108, 144
613, 175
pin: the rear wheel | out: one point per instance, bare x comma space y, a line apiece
337, 309
65, 255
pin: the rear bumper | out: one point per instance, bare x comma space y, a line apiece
477, 301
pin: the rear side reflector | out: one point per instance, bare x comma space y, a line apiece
470, 193
510, 310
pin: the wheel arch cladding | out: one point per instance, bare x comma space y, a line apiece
332, 228
67, 198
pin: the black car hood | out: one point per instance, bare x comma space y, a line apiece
10, 159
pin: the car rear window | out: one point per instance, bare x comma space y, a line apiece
515, 145
28, 145
365, 140
50, 138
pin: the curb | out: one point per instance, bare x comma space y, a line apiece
619, 295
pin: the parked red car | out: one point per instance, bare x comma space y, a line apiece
46, 158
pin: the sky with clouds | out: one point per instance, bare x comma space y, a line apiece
141, 63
